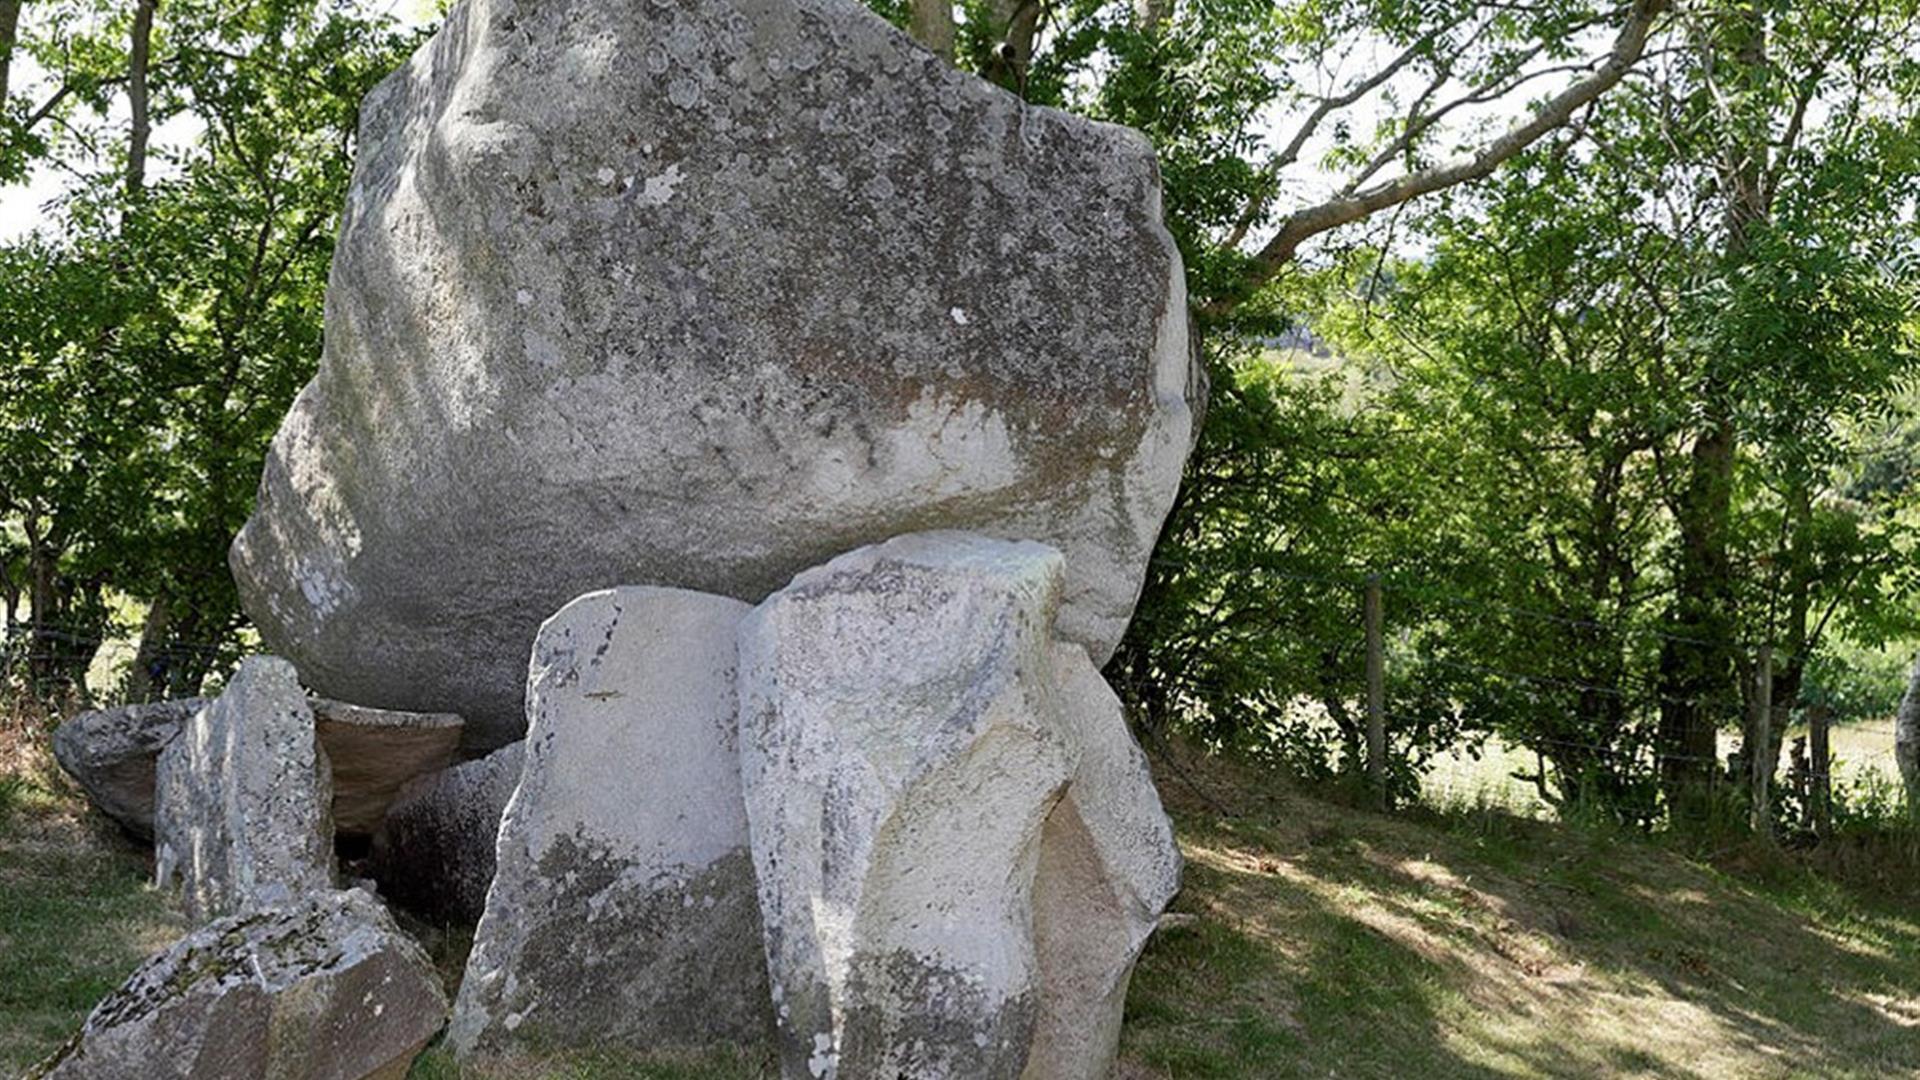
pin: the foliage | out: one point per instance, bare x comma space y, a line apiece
150, 351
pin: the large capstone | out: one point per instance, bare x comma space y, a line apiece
900, 754
243, 796
435, 853
324, 988
111, 754
623, 909
700, 293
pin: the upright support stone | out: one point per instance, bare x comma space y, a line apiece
900, 756
623, 911
1108, 867
242, 808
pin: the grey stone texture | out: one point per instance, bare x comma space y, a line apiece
623, 909
375, 752
243, 796
323, 988
435, 854
111, 754
900, 756
1108, 868
700, 293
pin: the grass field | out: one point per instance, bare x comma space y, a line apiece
1311, 940
1862, 756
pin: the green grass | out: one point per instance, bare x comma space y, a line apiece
76, 912
1311, 940
1325, 941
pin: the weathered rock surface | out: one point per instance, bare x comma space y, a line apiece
700, 293
900, 754
623, 910
326, 988
1108, 868
374, 752
435, 855
111, 754
241, 814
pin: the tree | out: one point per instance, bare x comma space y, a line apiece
190, 282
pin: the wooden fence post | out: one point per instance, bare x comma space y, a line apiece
1759, 762
1376, 694
1820, 767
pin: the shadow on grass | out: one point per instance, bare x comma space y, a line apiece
1333, 942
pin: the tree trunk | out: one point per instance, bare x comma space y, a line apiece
146, 677
1696, 683
1016, 21
137, 66
9, 36
933, 26
1696, 666
1906, 740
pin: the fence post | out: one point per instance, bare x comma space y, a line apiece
1820, 765
1759, 760
1376, 694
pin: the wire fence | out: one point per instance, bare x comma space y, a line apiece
1487, 767
1484, 761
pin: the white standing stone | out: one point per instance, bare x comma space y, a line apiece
241, 815
900, 754
322, 988
1906, 740
623, 910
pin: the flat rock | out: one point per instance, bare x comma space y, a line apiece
900, 757
241, 815
623, 909
111, 754
435, 854
701, 293
374, 752
325, 988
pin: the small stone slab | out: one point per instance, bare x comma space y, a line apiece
435, 855
325, 988
111, 754
241, 817
374, 752
622, 912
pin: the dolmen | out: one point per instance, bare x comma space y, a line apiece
754, 431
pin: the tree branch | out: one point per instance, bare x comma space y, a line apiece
1342, 210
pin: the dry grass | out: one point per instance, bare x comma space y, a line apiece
76, 912
1320, 941
1333, 942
